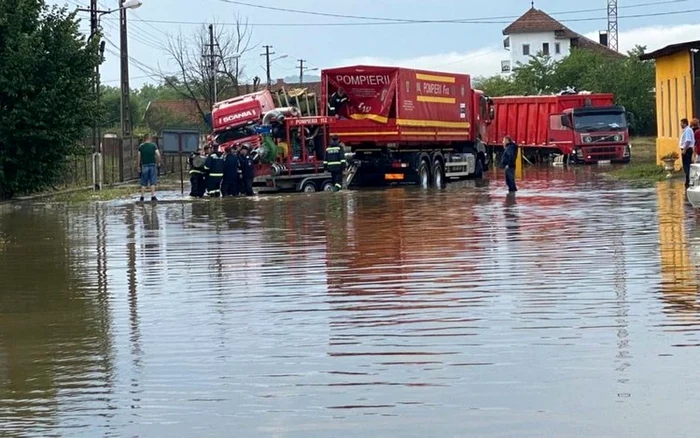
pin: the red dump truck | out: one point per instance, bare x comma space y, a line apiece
584, 128
408, 126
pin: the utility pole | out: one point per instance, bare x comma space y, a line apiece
612, 25
94, 29
301, 71
267, 63
212, 67
126, 122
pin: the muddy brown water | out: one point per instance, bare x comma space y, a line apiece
569, 311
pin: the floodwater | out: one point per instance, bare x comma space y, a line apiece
571, 310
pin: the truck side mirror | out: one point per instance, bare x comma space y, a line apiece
566, 121
630, 119
492, 113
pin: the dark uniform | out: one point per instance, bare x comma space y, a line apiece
508, 162
334, 163
197, 187
336, 103
215, 172
229, 186
247, 173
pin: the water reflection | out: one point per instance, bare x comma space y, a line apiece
558, 312
679, 275
55, 341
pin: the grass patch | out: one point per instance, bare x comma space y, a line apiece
647, 172
106, 194
643, 149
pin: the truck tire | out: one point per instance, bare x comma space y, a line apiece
327, 186
438, 175
309, 187
424, 174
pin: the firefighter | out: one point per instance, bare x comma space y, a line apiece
508, 160
335, 162
247, 170
229, 186
196, 162
336, 102
215, 172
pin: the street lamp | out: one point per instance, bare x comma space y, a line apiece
95, 16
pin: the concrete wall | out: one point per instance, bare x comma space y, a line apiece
535, 40
674, 100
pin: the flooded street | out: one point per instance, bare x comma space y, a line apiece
569, 311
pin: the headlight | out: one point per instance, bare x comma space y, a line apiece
618, 137
587, 139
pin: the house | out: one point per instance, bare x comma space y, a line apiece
537, 32
184, 110
677, 92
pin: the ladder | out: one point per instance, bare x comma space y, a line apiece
350, 175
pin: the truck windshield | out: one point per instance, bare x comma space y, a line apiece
600, 121
234, 134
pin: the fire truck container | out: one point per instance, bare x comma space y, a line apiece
583, 128
408, 126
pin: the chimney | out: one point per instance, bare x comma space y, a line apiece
603, 38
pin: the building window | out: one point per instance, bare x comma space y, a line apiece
661, 107
526, 49
670, 118
545, 49
557, 48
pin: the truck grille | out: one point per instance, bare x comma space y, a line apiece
602, 138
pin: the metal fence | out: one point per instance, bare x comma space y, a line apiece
119, 163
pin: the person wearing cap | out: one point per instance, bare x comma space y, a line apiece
229, 186
196, 163
245, 162
335, 163
215, 173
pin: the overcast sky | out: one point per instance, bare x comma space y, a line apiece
474, 48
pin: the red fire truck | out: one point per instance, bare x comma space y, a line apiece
398, 125
409, 126
586, 128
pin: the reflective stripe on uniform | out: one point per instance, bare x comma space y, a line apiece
331, 163
193, 171
206, 168
216, 174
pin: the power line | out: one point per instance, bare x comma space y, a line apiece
494, 20
405, 20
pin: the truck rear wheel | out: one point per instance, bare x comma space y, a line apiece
309, 187
424, 174
438, 175
327, 186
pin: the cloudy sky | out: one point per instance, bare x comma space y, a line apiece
392, 32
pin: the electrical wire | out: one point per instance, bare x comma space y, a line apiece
405, 20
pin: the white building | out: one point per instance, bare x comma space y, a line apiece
536, 32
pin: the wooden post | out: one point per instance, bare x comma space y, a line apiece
519, 164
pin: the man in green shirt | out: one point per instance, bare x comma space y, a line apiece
149, 160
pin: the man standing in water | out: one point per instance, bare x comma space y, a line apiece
687, 144
148, 162
510, 154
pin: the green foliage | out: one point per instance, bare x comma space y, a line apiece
46, 84
158, 119
630, 79
640, 172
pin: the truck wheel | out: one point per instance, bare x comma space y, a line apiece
327, 186
424, 175
309, 187
438, 175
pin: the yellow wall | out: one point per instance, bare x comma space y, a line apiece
674, 100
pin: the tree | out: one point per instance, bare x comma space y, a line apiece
192, 55
46, 92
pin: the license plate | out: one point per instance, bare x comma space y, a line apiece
393, 176
604, 162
